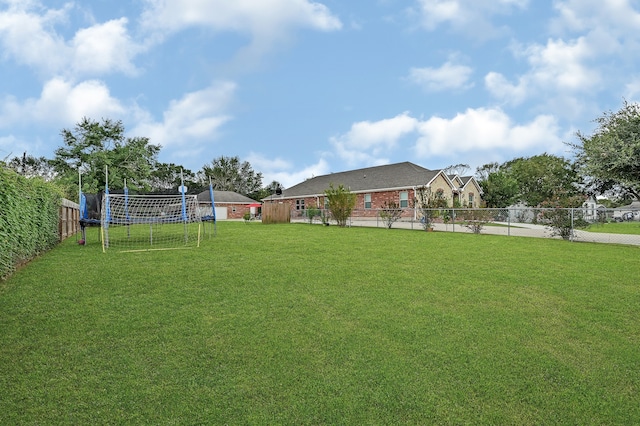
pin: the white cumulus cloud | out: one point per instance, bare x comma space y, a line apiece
266, 24
618, 16
283, 171
632, 90
472, 17
191, 122
64, 102
29, 37
369, 142
104, 48
557, 69
480, 131
449, 76
593, 52
485, 129
264, 18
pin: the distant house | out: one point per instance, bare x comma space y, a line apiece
375, 186
629, 212
229, 204
592, 210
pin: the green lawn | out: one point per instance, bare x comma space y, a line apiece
305, 324
616, 228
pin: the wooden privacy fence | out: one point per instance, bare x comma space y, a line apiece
69, 222
276, 213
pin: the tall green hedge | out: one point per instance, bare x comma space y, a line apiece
29, 216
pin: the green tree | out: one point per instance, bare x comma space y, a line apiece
92, 145
610, 157
30, 166
543, 177
499, 188
457, 169
167, 177
483, 172
267, 191
231, 174
341, 203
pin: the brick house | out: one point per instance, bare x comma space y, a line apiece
229, 204
375, 186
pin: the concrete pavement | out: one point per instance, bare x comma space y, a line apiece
506, 229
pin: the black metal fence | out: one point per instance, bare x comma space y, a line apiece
618, 226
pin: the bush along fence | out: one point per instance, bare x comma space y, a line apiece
30, 219
620, 225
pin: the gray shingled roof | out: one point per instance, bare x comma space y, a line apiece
465, 180
225, 197
388, 177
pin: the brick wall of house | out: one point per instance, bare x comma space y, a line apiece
234, 211
237, 211
378, 200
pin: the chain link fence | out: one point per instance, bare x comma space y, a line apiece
617, 226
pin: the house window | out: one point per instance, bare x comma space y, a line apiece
367, 201
300, 204
471, 199
404, 199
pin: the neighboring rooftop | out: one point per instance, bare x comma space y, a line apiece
387, 177
230, 197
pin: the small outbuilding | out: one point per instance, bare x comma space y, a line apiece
228, 204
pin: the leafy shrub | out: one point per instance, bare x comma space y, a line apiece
29, 217
311, 212
390, 213
429, 204
341, 203
476, 219
561, 216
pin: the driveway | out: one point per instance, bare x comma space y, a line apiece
506, 229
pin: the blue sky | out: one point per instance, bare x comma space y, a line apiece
301, 88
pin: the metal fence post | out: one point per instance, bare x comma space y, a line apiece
453, 220
572, 229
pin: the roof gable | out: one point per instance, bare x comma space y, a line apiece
456, 180
444, 176
471, 180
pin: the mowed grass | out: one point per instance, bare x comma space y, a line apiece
153, 235
616, 228
304, 324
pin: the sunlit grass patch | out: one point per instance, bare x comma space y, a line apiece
616, 228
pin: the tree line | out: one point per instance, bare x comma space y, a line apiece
606, 162
93, 145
